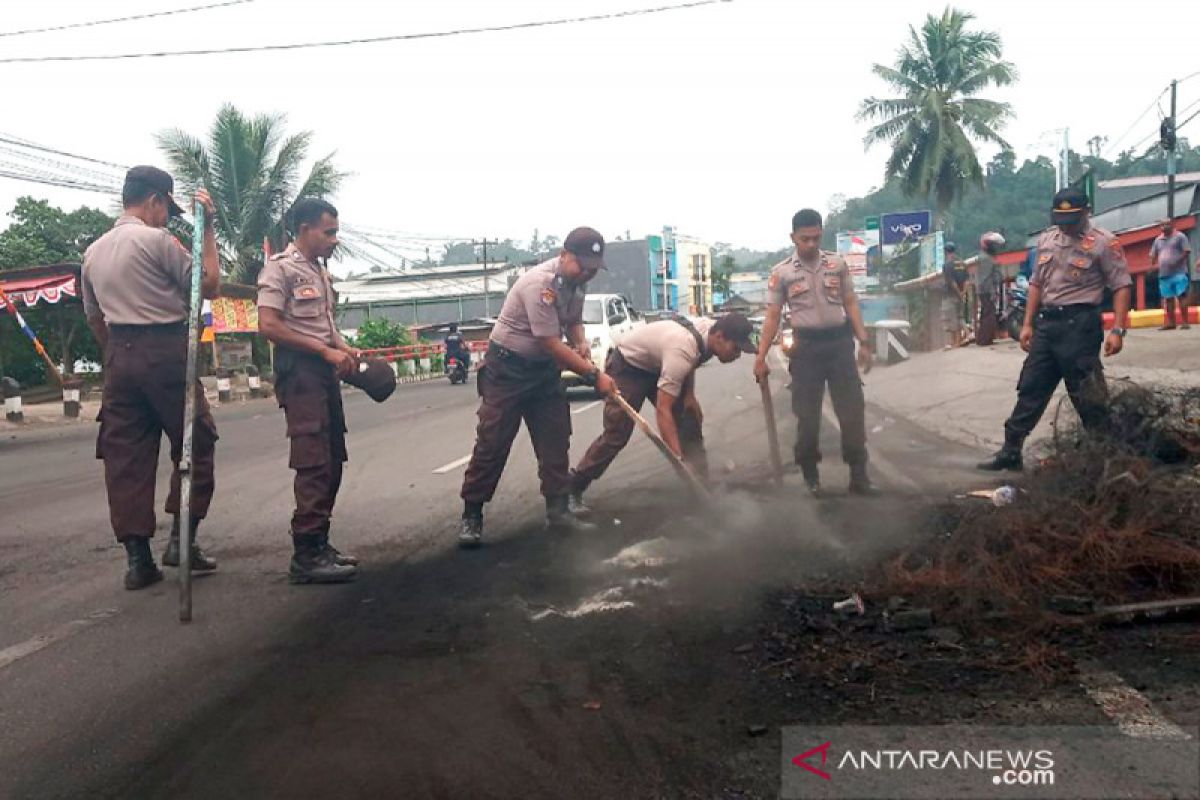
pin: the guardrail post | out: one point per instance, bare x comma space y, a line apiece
12, 400
70, 394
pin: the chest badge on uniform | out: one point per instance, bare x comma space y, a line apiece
1044, 259
1088, 243
797, 287
308, 292
548, 296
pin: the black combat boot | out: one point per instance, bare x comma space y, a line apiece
860, 482
559, 517
576, 505
312, 563
470, 530
812, 478
200, 561
142, 570
1006, 458
339, 558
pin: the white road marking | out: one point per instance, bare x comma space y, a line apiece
1135, 715
453, 465
462, 462
16, 652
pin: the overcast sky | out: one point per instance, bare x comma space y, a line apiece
720, 120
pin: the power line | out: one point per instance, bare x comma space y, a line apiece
373, 39
8, 138
132, 18
1153, 103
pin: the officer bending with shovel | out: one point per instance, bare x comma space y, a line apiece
658, 362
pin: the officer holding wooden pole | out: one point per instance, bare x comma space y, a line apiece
826, 321
136, 282
519, 380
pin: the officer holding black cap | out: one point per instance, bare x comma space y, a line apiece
1063, 330
136, 284
519, 380
295, 311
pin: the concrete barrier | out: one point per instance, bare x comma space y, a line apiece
12, 400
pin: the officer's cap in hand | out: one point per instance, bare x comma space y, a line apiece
375, 377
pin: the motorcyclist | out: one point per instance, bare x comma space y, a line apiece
456, 347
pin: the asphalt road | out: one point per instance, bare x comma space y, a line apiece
536, 667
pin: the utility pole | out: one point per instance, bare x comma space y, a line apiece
487, 300
1168, 140
1064, 162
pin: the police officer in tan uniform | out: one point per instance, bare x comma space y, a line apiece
136, 284
295, 311
658, 362
519, 380
1063, 330
826, 320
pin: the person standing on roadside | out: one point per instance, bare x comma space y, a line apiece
1064, 331
295, 311
826, 321
136, 283
1170, 255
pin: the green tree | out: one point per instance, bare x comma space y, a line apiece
253, 171
933, 125
42, 234
723, 268
380, 332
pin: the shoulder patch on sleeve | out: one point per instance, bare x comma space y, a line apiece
773, 281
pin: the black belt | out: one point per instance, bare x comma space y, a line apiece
158, 327
823, 334
1064, 312
502, 352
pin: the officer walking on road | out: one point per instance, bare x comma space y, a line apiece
519, 380
1063, 329
658, 362
136, 284
295, 311
826, 321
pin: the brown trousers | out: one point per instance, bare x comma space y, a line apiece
512, 389
985, 333
820, 360
144, 375
311, 397
636, 386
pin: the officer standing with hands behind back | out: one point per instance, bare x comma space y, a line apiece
136, 284
826, 320
295, 311
1063, 329
520, 380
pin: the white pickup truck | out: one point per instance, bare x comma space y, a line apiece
606, 318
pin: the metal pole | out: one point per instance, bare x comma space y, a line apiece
189, 420
11, 306
487, 302
772, 432
1171, 158
681, 468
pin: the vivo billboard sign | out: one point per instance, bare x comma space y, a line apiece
907, 225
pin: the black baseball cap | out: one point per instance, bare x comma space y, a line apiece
587, 245
375, 377
1069, 206
159, 181
737, 329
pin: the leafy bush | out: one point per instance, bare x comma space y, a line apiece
378, 332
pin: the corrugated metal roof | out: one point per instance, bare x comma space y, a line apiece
427, 284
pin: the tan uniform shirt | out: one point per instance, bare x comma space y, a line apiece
668, 348
137, 275
815, 296
1075, 270
302, 292
541, 303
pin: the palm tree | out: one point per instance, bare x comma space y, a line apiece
252, 171
933, 126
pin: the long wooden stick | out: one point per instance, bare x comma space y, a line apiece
681, 468
189, 421
772, 432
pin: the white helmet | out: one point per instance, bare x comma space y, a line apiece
991, 240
